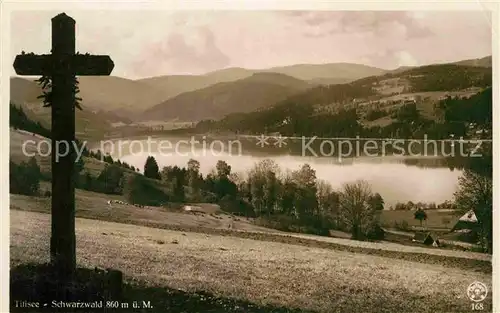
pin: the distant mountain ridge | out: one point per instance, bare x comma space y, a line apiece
117, 99
482, 62
244, 95
329, 73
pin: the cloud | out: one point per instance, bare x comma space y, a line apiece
349, 22
406, 59
391, 58
149, 43
192, 53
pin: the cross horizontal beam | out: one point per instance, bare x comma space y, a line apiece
81, 64
32, 64
92, 65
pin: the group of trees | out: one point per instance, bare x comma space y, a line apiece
24, 178
477, 109
448, 77
98, 155
19, 120
411, 206
476, 192
287, 200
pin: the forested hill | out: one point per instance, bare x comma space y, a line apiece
260, 90
437, 100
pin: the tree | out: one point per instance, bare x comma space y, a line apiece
328, 202
408, 113
111, 180
108, 159
287, 194
151, 169
223, 169
262, 184
306, 201
355, 207
420, 215
475, 191
193, 175
178, 190
377, 202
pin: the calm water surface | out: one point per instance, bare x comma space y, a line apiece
392, 177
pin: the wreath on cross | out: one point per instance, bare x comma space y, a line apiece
45, 81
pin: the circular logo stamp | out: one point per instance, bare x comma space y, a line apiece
477, 291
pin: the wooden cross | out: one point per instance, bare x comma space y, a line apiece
62, 66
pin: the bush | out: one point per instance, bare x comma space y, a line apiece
375, 233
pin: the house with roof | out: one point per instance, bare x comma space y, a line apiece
468, 222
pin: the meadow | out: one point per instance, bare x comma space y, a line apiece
263, 272
437, 220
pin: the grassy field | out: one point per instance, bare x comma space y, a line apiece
438, 220
263, 272
94, 206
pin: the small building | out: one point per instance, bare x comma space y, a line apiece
426, 238
467, 222
193, 209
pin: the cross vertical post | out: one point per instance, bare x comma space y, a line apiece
62, 66
63, 242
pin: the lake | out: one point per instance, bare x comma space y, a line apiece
396, 178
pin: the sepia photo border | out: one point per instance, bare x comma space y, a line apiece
35, 5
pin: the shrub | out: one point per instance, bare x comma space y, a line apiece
375, 233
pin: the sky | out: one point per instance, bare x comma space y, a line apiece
153, 43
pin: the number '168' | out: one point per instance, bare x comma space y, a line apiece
477, 306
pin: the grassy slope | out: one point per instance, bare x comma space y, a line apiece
18, 137
93, 206
263, 272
